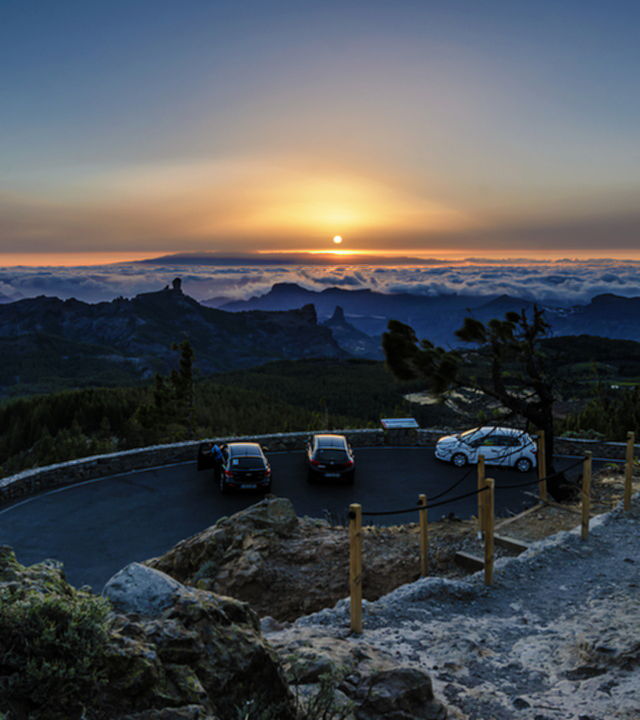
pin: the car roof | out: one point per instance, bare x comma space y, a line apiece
244, 449
330, 441
501, 431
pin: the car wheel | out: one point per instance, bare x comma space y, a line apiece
351, 477
223, 486
459, 459
311, 477
523, 465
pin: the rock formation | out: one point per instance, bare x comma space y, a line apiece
369, 684
154, 649
183, 653
285, 566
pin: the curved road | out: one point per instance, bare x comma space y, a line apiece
97, 527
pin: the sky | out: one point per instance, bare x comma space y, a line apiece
142, 127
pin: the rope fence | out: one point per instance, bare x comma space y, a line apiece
547, 478
455, 485
485, 492
418, 507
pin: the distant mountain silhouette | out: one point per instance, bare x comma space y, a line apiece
501, 305
433, 316
284, 259
46, 341
216, 301
137, 335
606, 315
436, 317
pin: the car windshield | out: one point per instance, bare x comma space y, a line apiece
250, 462
331, 455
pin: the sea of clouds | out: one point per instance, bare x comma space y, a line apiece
562, 282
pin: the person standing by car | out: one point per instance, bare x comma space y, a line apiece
218, 458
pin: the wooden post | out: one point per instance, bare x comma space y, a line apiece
628, 470
542, 466
481, 495
355, 566
424, 536
489, 522
586, 495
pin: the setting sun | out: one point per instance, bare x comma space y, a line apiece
337, 239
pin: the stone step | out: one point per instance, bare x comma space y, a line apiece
509, 543
468, 561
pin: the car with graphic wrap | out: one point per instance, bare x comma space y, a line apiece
504, 446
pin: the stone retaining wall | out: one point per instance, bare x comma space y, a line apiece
30, 482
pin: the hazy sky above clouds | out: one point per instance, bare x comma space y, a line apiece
150, 126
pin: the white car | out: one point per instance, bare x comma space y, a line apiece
499, 445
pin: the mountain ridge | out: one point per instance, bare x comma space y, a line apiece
436, 317
50, 343
142, 330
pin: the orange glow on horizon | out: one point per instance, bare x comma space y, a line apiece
460, 257
72, 259
467, 254
341, 252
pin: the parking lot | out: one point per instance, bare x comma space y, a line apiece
99, 526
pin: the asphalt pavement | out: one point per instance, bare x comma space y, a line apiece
97, 527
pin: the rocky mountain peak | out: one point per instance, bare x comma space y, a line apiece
350, 338
285, 287
338, 317
308, 313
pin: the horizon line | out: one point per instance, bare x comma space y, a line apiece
342, 256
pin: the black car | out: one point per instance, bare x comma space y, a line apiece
329, 457
244, 467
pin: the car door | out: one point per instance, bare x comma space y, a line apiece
507, 450
493, 447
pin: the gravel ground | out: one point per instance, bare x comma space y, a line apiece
556, 637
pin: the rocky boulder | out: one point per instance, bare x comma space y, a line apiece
181, 653
196, 557
139, 589
286, 566
258, 554
190, 649
402, 693
358, 681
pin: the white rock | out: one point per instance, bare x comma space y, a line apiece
141, 589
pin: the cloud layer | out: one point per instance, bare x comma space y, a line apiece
563, 282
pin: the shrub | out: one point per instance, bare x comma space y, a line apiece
51, 653
586, 434
317, 701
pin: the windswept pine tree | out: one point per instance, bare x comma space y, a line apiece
508, 365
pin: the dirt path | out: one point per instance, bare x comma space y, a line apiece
556, 637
